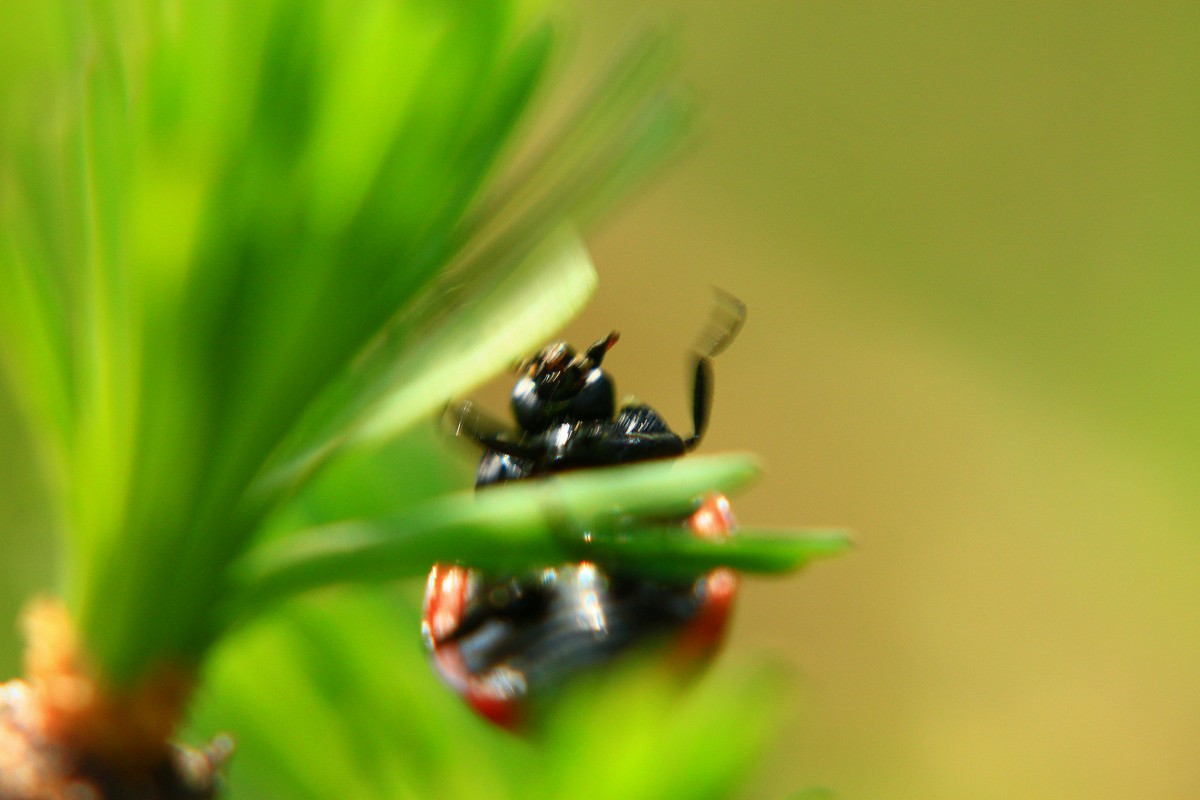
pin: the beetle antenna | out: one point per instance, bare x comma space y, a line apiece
596, 352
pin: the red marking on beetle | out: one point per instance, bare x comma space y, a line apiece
701, 637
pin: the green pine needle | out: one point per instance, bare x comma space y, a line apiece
403, 379
594, 514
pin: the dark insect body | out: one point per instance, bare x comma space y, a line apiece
498, 639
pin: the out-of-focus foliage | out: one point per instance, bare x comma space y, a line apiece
332, 698
239, 237
243, 248
210, 208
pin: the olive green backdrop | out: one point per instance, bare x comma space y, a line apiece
969, 238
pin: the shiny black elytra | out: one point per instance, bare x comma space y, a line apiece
565, 408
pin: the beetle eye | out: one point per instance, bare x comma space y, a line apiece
596, 399
529, 409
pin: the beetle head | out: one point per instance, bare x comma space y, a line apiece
560, 385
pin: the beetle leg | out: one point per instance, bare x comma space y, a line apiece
616, 448
514, 600
702, 386
485, 431
728, 317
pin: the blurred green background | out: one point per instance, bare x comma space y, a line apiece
967, 236
969, 239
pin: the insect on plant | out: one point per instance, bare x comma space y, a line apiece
500, 640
